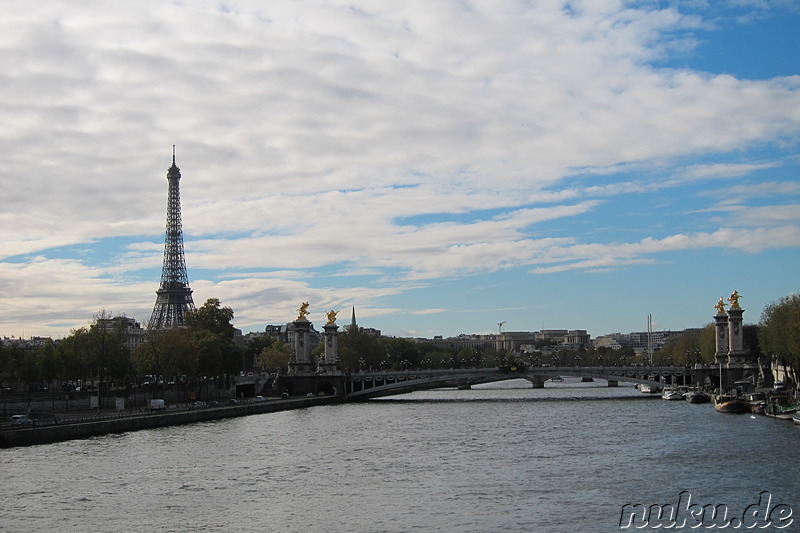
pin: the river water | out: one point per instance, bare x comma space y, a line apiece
498, 458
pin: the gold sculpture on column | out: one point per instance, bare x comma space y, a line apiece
332, 317
303, 311
734, 300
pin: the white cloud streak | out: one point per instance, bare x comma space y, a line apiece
410, 142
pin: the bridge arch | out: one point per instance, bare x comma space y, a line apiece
365, 385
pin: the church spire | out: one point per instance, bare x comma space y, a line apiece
353, 325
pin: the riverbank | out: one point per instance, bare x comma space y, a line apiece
83, 428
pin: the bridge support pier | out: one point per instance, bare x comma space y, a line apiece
613, 383
537, 382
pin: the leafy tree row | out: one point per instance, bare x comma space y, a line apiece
205, 349
97, 356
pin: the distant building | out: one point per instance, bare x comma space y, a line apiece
131, 330
285, 333
516, 342
642, 342
26, 345
614, 341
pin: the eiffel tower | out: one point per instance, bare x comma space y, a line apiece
174, 297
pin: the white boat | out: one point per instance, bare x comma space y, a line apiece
646, 388
672, 394
557, 378
796, 418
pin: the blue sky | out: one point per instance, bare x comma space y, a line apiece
441, 166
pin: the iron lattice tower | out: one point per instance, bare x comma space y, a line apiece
174, 297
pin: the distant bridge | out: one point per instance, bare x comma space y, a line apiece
365, 385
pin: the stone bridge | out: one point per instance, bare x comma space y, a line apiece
365, 385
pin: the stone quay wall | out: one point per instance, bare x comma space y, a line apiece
102, 426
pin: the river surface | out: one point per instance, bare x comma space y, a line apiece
497, 458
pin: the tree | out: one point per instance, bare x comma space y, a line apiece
682, 349
74, 351
275, 357
107, 353
779, 332
211, 317
49, 362
253, 351
358, 350
166, 353
399, 353
212, 331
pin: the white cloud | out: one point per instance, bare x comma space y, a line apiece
398, 141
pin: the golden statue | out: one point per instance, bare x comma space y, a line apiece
720, 307
332, 317
303, 311
734, 300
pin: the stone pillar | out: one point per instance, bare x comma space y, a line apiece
331, 360
721, 322
301, 362
537, 382
736, 349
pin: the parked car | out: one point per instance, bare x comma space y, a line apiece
21, 420
157, 405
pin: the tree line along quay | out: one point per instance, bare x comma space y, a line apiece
202, 361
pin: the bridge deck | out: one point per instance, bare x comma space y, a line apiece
375, 384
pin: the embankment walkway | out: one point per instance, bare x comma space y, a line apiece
82, 428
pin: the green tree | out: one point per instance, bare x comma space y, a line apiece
212, 317
29, 369
253, 351
74, 354
682, 349
212, 330
399, 353
6, 366
358, 350
49, 363
167, 353
779, 332
107, 354
275, 357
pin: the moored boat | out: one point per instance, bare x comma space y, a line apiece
781, 406
697, 396
756, 400
646, 388
672, 394
796, 418
730, 403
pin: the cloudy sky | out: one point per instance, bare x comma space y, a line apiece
441, 165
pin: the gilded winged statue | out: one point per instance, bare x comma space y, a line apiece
332, 316
734, 300
303, 311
